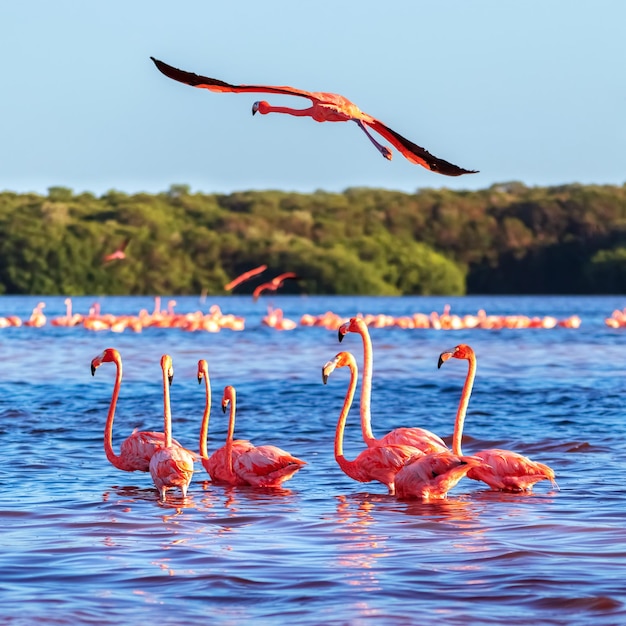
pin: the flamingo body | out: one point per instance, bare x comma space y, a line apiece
265, 466
431, 476
137, 449
274, 284
377, 463
420, 438
502, 470
325, 107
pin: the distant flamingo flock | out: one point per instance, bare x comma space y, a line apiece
215, 320
412, 462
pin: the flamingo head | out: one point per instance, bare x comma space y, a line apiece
229, 394
108, 355
353, 325
341, 360
462, 351
261, 107
168, 368
203, 370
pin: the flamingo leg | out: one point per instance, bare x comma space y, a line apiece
386, 152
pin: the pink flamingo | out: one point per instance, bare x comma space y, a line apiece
500, 469
431, 476
37, 318
171, 465
245, 276
420, 438
325, 107
274, 284
137, 449
118, 255
220, 464
262, 466
381, 462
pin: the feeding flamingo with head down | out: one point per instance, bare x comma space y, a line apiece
137, 449
259, 466
381, 462
325, 107
171, 465
220, 464
502, 470
413, 436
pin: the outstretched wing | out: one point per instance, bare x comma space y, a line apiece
417, 154
219, 86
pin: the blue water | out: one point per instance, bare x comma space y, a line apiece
84, 543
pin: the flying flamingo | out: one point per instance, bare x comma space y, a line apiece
118, 254
274, 284
381, 462
220, 464
245, 276
501, 469
262, 466
137, 449
171, 465
420, 438
325, 107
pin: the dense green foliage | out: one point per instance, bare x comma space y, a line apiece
506, 239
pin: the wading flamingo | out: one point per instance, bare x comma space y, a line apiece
274, 284
245, 276
500, 469
381, 462
118, 255
325, 107
262, 466
171, 465
220, 464
138, 448
420, 438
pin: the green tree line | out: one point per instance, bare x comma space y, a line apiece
508, 238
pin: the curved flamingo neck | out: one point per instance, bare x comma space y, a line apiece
463, 404
204, 427
113, 458
167, 410
344, 463
366, 384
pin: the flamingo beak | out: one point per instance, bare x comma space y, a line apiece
443, 357
324, 375
255, 108
93, 369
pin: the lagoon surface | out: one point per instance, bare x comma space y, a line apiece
85, 543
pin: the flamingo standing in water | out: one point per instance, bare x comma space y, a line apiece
259, 466
274, 284
325, 107
220, 464
171, 465
381, 462
245, 276
500, 469
137, 449
420, 438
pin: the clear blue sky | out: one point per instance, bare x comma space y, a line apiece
531, 91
